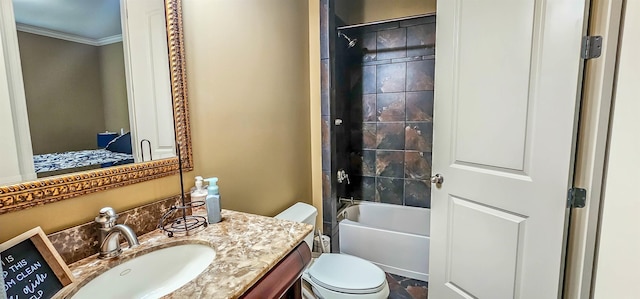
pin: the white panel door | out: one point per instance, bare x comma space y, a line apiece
16, 152
506, 88
150, 105
9, 167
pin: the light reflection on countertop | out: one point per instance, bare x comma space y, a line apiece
247, 246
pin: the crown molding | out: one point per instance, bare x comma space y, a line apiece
110, 40
67, 36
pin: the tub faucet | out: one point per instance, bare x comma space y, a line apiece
348, 201
109, 233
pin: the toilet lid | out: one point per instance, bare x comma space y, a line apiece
347, 274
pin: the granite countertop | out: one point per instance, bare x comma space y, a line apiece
247, 246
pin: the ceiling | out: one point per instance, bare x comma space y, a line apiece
91, 19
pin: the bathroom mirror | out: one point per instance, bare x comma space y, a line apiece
51, 189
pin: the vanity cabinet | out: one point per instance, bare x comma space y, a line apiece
283, 281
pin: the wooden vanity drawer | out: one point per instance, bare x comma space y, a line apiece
283, 281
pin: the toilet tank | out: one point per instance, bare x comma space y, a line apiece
301, 212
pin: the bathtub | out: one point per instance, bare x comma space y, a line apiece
396, 238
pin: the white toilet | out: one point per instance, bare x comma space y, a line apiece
337, 276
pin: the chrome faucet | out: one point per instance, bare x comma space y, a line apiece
109, 233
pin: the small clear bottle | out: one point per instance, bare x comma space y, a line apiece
199, 192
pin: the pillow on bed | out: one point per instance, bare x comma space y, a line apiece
121, 144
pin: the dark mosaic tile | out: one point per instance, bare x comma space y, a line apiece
355, 144
392, 43
355, 188
367, 42
354, 107
341, 102
355, 80
416, 288
368, 163
418, 21
390, 106
417, 193
397, 291
326, 196
420, 75
389, 190
369, 79
419, 106
369, 107
390, 136
355, 164
419, 136
391, 77
326, 209
418, 292
368, 188
369, 136
421, 40
326, 184
326, 143
417, 165
324, 29
410, 282
390, 164
324, 87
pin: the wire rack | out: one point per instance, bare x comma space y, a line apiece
176, 220
183, 223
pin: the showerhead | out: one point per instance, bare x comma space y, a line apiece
352, 42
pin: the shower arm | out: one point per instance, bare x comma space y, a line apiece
351, 42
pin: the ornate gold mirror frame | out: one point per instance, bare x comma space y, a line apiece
30, 194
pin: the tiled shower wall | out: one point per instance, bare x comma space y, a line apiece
391, 73
381, 91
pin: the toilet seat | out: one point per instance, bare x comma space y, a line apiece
347, 274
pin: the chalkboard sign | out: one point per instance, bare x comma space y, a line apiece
32, 268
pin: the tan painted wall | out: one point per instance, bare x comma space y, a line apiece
248, 74
365, 11
314, 99
248, 71
63, 90
114, 87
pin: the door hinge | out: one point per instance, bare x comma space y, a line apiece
577, 198
591, 47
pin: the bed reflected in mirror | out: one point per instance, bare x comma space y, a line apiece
155, 88
80, 62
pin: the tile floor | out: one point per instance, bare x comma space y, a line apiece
406, 288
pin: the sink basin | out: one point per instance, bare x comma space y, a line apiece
152, 275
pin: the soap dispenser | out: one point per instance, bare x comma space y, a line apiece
198, 193
213, 201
